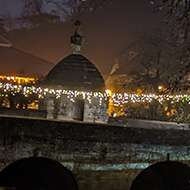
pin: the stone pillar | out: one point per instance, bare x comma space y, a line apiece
50, 105
95, 112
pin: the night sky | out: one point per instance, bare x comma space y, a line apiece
107, 31
12, 7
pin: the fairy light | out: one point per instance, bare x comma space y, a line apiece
117, 99
108, 92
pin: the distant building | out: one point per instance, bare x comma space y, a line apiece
14, 62
18, 67
75, 72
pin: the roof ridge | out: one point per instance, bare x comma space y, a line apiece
4, 42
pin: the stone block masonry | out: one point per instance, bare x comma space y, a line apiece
100, 156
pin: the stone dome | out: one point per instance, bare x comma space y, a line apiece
75, 72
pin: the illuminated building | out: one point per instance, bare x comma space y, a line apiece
19, 67
76, 73
18, 80
15, 62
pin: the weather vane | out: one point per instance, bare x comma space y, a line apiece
76, 39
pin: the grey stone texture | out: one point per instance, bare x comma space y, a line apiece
106, 157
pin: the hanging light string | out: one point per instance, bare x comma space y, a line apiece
117, 99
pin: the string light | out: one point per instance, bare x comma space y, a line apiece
117, 99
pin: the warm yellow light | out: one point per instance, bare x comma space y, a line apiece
19, 80
160, 87
108, 92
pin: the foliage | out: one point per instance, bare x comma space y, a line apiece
178, 112
160, 62
150, 111
182, 113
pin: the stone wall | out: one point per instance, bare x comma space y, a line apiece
99, 156
65, 109
23, 112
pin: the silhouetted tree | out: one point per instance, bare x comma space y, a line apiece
42, 12
35, 14
158, 62
177, 19
70, 8
178, 9
2, 26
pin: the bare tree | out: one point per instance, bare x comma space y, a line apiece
67, 9
2, 26
177, 19
35, 14
42, 12
178, 8
157, 59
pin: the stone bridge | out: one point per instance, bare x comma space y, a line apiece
48, 154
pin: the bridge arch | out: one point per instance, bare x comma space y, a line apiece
168, 175
37, 173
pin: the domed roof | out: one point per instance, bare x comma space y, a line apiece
75, 72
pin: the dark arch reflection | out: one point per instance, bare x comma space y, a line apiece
37, 173
163, 176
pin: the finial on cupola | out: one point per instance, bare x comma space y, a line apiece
76, 39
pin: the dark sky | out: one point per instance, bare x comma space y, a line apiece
107, 31
110, 31
12, 7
